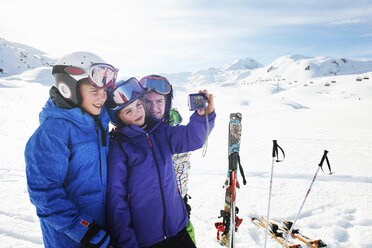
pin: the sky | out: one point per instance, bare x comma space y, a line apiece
146, 37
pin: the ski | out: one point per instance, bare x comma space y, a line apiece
316, 243
230, 220
275, 232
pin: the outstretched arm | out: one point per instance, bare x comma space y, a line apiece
192, 136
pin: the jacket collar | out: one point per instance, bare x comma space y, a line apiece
133, 130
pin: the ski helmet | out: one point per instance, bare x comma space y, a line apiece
124, 93
70, 70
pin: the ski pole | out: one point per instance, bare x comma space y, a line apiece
308, 191
274, 154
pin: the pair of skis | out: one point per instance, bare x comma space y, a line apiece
280, 231
230, 220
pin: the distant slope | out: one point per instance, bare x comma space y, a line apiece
295, 67
225, 75
16, 58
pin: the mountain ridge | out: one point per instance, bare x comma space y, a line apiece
16, 58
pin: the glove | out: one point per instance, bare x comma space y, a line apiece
96, 238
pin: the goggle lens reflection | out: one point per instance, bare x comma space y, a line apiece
102, 75
127, 91
159, 84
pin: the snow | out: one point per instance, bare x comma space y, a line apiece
306, 120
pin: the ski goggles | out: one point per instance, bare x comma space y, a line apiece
127, 91
159, 84
100, 75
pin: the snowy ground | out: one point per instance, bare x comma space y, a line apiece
306, 120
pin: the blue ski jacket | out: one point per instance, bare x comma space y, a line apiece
144, 206
67, 173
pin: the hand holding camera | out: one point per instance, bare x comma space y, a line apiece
201, 102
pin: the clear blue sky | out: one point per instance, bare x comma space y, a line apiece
149, 36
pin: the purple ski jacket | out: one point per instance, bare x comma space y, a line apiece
144, 206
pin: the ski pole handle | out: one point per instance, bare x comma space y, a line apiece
275, 152
323, 158
275, 148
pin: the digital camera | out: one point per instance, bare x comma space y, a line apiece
197, 101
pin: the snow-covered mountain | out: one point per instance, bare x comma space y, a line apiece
294, 67
242, 64
290, 68
225, 75
16, 58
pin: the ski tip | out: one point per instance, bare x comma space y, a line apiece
320, 243
295, 246
236, 115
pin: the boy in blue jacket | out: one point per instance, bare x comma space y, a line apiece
66, 156
144, 206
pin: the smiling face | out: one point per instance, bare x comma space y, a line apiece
92, 98
155, 104
134, 114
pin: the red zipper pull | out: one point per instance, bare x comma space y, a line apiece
148, 138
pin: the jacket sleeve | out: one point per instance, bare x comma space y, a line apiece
192, 136
118, 212
47, 157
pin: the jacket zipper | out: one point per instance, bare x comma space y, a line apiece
99, 148
100, 159
160, 185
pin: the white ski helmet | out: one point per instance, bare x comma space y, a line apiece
70, 70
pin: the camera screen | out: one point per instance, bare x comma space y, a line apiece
198, 102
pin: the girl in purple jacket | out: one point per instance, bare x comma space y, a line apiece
144, 206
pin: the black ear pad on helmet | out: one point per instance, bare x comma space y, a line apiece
68, 88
